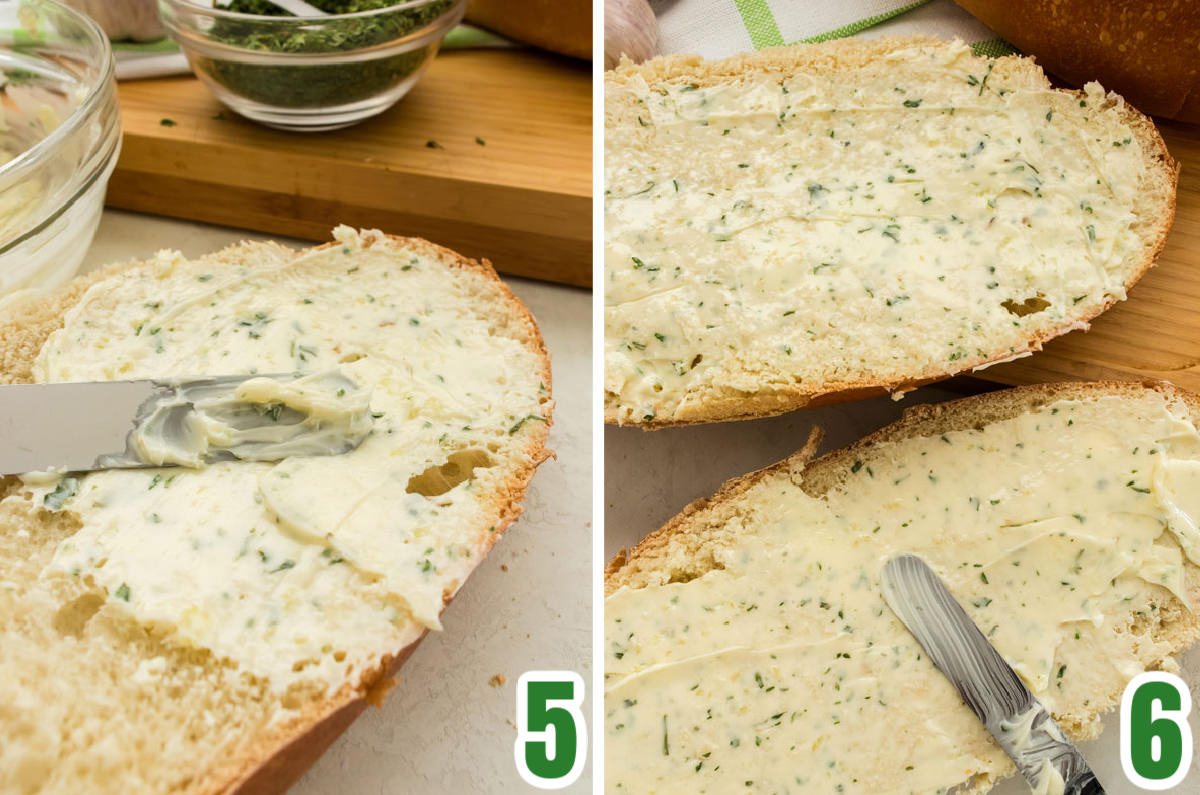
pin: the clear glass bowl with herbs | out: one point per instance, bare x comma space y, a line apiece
310, 73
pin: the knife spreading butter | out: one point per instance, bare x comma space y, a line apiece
781, 669
258, 419
311, 567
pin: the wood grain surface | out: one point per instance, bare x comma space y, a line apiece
507, 177
1155, 333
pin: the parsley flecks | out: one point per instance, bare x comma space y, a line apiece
321, 85
122, 592
65, 490
519, 423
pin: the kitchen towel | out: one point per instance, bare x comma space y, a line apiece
720, 28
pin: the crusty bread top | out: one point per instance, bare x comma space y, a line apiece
704, 537
274, 736
1091, 41
703, 331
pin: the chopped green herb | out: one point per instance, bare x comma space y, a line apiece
63, 491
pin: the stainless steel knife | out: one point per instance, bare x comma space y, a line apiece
86, 426
989, 686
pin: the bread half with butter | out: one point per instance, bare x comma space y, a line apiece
203, 630
748, 645
823, 222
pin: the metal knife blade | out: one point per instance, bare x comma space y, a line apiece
86, 426
989, 686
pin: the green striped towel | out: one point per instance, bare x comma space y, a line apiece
719, 28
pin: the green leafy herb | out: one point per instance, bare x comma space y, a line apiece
517, 426
319, 85
65, 490
122, 592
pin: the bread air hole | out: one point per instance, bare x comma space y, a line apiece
440, 478
1027, 307
72, 617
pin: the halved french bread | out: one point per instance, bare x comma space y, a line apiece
213, 630
748, 645
818, 223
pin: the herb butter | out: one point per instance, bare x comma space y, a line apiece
256, 419
311, 567
781, 669
783, 232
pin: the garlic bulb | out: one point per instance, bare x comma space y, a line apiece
629, 29
124, 19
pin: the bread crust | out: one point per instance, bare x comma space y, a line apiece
819, 475
1157, 205
1080, 42
275, 761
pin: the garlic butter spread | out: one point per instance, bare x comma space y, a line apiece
258, 419
791, 231
1037, 748
312, 566
783, 670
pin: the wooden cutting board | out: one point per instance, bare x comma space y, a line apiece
490, 154
1156, 332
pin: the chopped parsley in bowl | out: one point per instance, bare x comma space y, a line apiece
310, 73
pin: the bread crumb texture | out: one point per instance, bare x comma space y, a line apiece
170, 630
814, 223
748, 640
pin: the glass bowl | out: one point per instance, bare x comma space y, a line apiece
59, 139
310, 73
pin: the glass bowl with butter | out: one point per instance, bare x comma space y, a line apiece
309, 73
60, 133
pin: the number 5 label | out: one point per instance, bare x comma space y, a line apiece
1156, 741
551, 742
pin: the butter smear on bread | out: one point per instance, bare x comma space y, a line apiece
786, 226
751, 647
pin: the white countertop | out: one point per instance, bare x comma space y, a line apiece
650, 476
445, 729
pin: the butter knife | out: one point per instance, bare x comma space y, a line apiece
989, 686
78, 427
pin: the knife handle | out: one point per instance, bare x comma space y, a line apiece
1085, 784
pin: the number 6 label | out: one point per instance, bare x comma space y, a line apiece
551, 742
1156, 741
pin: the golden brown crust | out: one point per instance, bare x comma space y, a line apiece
274, 762
1155, 219
1146, 51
